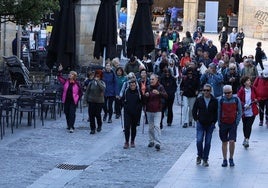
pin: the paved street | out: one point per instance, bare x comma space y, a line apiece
35, 157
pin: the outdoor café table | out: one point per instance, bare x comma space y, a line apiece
34, 91
12, 97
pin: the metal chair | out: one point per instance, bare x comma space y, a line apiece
26, 104
49, 103
7, 109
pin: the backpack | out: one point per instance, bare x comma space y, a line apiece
227, 112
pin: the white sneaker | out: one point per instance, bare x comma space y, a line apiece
71, 130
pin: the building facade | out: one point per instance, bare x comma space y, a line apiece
252, 17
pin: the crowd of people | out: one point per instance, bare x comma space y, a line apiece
215, 86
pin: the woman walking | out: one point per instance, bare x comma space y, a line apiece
248, 98
72, 92
94, 96
132, 108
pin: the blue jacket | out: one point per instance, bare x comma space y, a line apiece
111, 84
215, 80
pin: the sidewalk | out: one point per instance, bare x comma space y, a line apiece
250, 170
251, 165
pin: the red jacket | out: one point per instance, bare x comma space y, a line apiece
154, 101
241, 95
261, 85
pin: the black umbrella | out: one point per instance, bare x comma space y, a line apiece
141, 37
105, 33
61, 49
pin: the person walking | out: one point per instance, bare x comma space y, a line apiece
229, 115
153, 99
170, 85
248, 98
259, 55
261, 85
72, 92
240, 40
132, 108
94, 97
189, 90
111, 91
205, 115
223, 37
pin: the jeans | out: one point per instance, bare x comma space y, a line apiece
203, 132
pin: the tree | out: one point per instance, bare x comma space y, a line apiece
26, 11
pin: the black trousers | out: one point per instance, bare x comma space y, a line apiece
263, 104
247, 125
169, 107
118, 106
108, 105
130, 126
69, 110
95, 114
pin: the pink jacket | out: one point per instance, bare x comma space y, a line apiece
77, 90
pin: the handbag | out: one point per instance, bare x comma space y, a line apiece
264, 57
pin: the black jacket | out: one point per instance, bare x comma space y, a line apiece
132, 102
206, 116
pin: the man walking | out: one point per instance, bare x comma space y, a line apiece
205, 115
229, 115
153, 100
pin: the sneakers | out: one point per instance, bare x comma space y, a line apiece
151, 144
224, 163
71, 130
92, 132
157, 147
99, 129
132, 144
184, 125
110, 121
104, 117
205, 163
261, 123
198, 160
231, 162
126, 145
245, 143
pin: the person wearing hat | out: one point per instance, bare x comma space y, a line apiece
261, 85
94, 96
72, 92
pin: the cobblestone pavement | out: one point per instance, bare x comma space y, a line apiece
29, 156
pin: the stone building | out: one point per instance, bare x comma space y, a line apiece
252, 16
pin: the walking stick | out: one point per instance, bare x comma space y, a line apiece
181, 109
121, 119
143, 121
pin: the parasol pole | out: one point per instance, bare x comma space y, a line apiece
104, 57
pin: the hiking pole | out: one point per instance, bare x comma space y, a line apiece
144, 117
181, 108
121, 119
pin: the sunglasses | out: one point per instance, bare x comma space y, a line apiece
227, 93
206, 90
